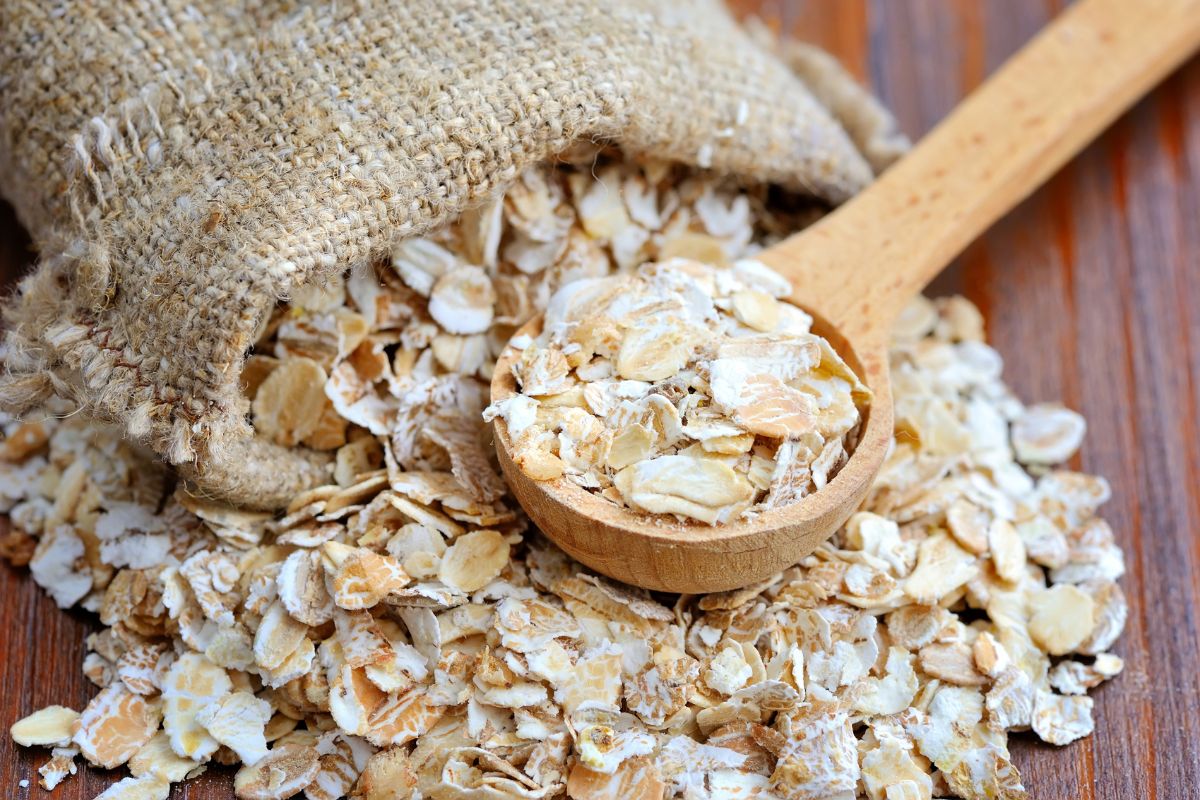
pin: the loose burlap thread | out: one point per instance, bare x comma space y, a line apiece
184, 164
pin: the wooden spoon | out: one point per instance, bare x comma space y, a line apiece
857, 268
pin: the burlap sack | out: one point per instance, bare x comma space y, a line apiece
183, 164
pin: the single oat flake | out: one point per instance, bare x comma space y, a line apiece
404, 632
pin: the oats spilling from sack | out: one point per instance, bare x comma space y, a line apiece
403, 633
683, 389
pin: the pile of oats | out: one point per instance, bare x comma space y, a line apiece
685, 389
403, 633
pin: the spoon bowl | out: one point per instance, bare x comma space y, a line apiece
660, 553
857, 268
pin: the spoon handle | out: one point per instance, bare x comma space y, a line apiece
859, 265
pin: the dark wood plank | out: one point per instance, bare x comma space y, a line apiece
1091, 295
1155, 222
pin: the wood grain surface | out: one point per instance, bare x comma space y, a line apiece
1091, 293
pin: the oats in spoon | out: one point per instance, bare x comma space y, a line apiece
683, 389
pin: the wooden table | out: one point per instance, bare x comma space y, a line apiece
1091, 291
